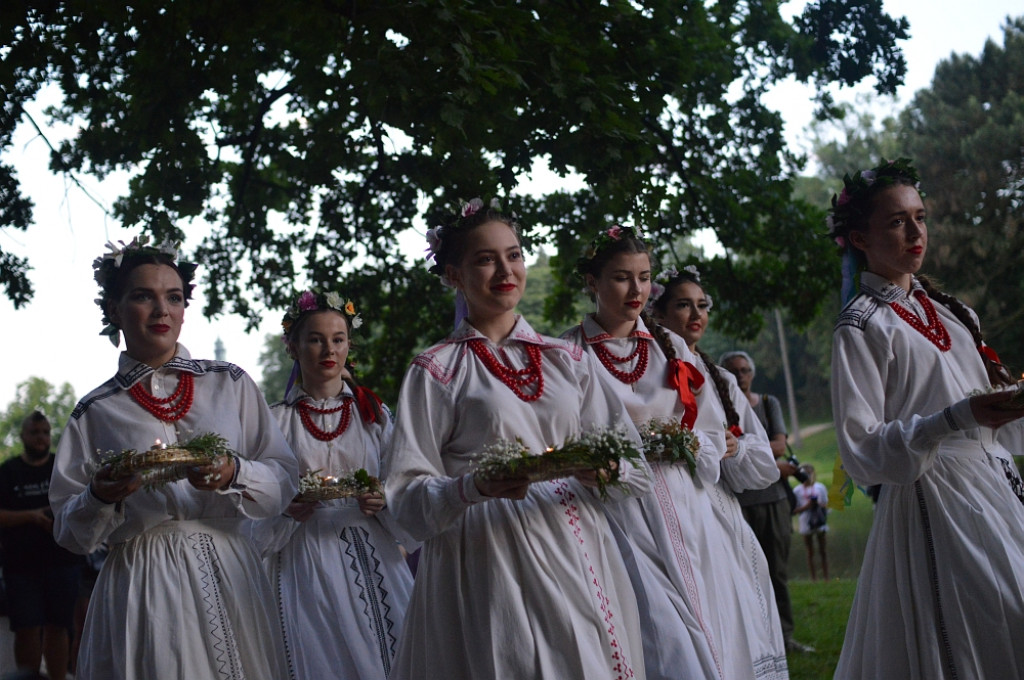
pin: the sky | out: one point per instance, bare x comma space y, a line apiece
56, 336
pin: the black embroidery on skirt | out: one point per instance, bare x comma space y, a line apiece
288, 654
228, 661
371, 591
1016, 485
933, 577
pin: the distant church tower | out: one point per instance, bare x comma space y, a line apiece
218, 350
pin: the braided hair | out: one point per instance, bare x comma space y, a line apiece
998, 375
659, 304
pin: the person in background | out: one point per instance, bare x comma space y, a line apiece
41, 577
812, 512
769, 511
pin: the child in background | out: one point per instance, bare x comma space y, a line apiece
812, 507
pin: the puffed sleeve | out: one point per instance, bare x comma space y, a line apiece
753, 466
710, 430
423, 498
81, 521
387, 516
875, 451
268, 474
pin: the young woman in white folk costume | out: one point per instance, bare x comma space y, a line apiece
745, 597
941, 592
340, 578
183, 593
515, 579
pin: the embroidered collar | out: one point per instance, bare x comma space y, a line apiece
593, 333
131, 371
297, 394
521, 332
885, 290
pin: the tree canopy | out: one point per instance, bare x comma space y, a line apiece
966, 133
311, 134
35, 394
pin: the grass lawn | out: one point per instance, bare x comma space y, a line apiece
821, 610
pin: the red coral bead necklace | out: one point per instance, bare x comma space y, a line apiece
934, 331
515, 379
608, 360
306, 408
171, 408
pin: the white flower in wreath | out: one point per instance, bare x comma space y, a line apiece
333, 300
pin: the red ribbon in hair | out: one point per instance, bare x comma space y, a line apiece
987, 351
685, 378
365, 399
736, 430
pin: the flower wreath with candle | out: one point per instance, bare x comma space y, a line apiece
600, 449
164, 463
315, 486
108, 269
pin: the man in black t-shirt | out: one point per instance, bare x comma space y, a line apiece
41, 577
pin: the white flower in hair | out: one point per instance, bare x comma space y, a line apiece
692, 268
357, 321
657, 290
333, 300
433, 242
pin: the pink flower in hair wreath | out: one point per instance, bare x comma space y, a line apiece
615, 232
307, 301
472, 207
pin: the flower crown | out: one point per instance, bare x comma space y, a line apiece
604, 238
106, 266
845, 204
437, 235
311, 301
667, 276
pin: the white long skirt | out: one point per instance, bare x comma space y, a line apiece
343, 587
186, 600
745, 607
941, 593
523, 589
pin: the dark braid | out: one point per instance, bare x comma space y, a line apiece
998, 375
660, 334
722, 386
